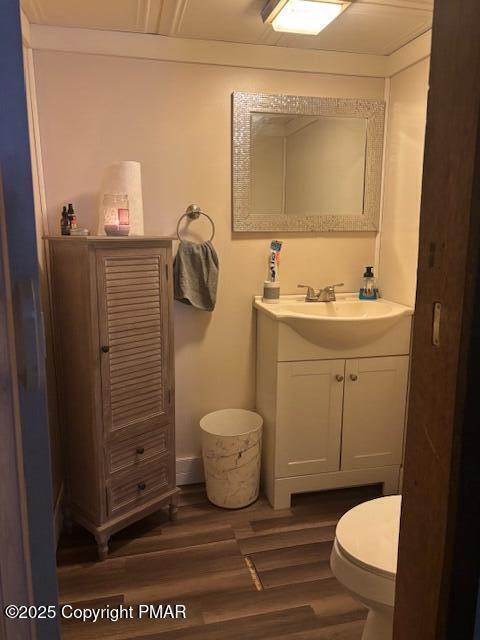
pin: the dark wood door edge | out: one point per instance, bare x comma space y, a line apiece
439, 553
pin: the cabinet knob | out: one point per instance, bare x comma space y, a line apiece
140, 450
353, 377
142, 486
339, 378
105, 348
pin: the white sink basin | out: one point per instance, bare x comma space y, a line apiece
347, 328
347, 308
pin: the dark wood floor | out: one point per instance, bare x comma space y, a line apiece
252, 573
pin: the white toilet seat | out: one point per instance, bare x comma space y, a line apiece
364, 560
368, 535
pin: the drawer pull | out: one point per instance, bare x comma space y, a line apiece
142, 486
353, 377
140, 450
105, 348
339, 378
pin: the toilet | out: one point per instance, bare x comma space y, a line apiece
364, 560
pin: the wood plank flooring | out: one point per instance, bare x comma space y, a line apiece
251, 573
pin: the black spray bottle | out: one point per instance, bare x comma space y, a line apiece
65, 223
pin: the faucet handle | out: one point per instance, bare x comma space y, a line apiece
331, 287
327, 294
311, 295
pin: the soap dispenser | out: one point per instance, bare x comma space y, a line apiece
369, 291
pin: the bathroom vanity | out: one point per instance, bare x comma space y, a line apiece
332, 389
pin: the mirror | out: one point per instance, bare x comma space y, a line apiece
306, 164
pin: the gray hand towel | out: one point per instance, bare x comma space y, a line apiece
195, 273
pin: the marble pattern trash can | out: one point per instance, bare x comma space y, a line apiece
231, 450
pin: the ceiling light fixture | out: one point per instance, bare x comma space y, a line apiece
307, 17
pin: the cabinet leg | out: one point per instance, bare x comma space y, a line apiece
282, 499
102, 545
173, 509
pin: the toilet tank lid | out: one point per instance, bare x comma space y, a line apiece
368, 534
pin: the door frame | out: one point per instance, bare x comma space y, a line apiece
15, 570
27, 380
439, 556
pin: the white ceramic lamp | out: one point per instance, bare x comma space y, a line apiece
124, 178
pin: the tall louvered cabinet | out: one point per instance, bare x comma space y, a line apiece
112, 311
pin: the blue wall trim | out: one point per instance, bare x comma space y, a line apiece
20, 218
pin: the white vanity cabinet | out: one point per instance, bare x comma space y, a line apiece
374, 406
309, 397
330, 421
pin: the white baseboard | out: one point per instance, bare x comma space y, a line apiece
58, 516
189, 471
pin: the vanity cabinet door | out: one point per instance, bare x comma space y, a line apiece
374, 412
309, 417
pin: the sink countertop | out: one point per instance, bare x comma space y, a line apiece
347, 308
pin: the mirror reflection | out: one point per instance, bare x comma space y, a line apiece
307, 165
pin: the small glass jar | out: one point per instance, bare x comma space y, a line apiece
116, 214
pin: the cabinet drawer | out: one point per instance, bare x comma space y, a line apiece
128, 454
125, 492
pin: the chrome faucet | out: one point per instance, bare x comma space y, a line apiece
327, 294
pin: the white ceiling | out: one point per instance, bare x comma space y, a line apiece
368, 26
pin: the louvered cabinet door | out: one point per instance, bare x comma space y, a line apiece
134, 338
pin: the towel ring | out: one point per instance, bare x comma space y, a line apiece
194, 212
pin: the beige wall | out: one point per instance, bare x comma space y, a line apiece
403, 183
175, 119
